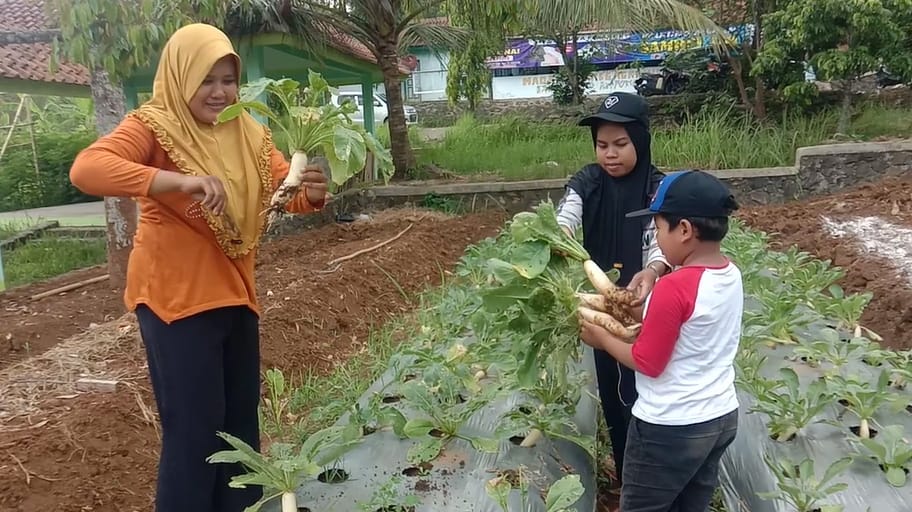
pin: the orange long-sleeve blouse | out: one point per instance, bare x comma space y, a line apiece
176, 267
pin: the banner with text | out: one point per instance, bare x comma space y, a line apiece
610, 48
536, 86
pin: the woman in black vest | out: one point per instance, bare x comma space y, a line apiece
598, 197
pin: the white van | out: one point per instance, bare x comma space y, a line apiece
381, 110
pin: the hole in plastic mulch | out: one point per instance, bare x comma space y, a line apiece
391, 399
333, 476
856, 428
420, 469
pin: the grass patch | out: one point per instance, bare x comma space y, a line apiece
516, 148
8, 228
48, 257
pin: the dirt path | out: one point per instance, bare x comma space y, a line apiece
93, 451
877, 264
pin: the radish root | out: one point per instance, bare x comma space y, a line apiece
609, 323
287, 190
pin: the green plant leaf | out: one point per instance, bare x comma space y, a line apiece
896, 476
531, 258
418, 427
563, 493
425, 451
484, 444
503, 297
502, 271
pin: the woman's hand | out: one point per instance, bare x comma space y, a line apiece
642, 284
208, 190
315, 187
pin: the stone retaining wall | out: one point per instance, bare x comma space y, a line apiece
663, 110
821, 170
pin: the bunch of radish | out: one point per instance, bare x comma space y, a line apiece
609, 307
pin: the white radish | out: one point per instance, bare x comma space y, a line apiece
480, 374
531, 438
857, 332
603, 285
864, 430
609, 323
289, 502
599, 302
289, 187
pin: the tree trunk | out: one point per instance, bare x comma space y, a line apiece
737, 71
845, 113
120, 212
574, 75
400, 148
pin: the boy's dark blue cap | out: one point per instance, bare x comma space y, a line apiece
620, 107
690, 193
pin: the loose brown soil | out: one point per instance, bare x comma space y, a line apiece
30, 327
798, 223
98, 451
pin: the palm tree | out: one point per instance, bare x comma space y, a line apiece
387, 28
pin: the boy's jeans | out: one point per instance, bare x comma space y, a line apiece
674, 468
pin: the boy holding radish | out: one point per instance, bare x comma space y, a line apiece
686, 412
598, 197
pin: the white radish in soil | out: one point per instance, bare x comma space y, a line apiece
533, 437
289, 187
289, 502
864, 430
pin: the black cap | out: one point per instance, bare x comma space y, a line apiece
620, 107
690, 193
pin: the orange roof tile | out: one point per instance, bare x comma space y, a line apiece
31, 61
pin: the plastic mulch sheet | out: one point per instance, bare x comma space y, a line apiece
744, 473
456, 482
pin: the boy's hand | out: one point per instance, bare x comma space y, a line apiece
593, 335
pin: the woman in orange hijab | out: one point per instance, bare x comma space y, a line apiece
201, 186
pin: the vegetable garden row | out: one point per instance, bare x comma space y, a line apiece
491, 405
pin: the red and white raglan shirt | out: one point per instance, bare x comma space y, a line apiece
686, 349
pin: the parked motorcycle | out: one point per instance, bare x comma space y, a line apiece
665, 82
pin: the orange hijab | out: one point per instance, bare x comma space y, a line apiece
237, 152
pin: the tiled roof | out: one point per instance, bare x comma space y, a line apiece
31, 61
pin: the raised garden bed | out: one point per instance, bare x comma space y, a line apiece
812, 384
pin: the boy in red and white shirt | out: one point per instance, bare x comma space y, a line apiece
686, 414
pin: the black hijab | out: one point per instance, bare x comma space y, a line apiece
612, 240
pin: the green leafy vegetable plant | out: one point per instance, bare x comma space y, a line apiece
283, 469
792, 409
311, 126
863, 399
891, 451
799, 487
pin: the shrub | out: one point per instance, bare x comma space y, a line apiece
21, 187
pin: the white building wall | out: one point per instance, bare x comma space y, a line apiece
428, 82
536, 86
